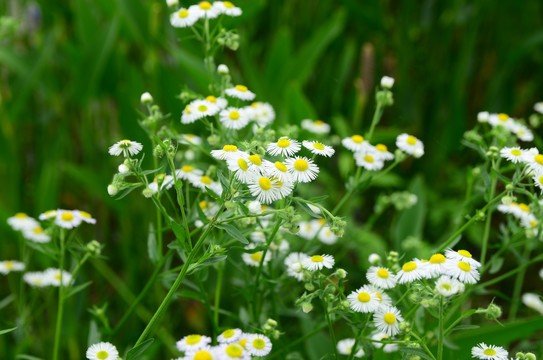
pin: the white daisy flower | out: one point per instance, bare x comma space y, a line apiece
538, 180
262, 113
533, 301
48, 215
254, 259
55, 276
36, 279
382, 153
229, 336
240, 92
380, 337
172, 3
204, 108
227, 8
411, 271
165, 181
226, 152
522, 132
374, 259
355, 143
489, 352
241, 168
36, 234
368, 160
308, 229
21, 221
125, 147
520, 210
187, 172
514, 154
410, 145
387, 82
539, 107
193, 342
315, 127
257, 164
266, 189
86, 217
317, 262
462, 271
447, 286
364, 300
206, 182
190, 139
535, 163
278, 170
326, 236
501, 119
381, 277
293, 262
102, 351
258, 345
205, 353
284, 188
255, 207
222, 69
234, 118
383, 297
462, 255
217, 101
345, 347
284, 147
68, 219
204, 9
190, 115
233, 351
386, 320
436, 266
183, 18
317, 148
483, 116
302, 169
8, 266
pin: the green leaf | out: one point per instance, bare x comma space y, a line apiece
28, 357
135, 352
5, 331
496, 265
416, 352
77, 289
180, 233
411, 221
207, 262
94, 333
152, 246
308, 210
234, 232
464, 327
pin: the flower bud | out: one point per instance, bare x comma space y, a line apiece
530, 356
307, 307
222, 69
483, 116
123, 169
509, 187
340, 273
520, 356
93, 247
112, 190
146, 98
387, 82
309, 286
147, 193
271, 322
494, 311
374, 259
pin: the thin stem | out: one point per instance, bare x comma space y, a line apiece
60, 309
518, 283
423, 344
349, 193
441, 334
486, 233
330, 327
218, 287
375, 120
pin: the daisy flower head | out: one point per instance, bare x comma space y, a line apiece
383, 297
284, 188
257, 164
489, 352
514, 154
205, 353
293, 262
265, 188
533, 301
447, 286
234, 118
382, 153
326, 236
501, 120
368, 160
254, 258
318, 148
387, 319
233, 351
204, 9
125, 147
36, 279
227, 8
183, 18
21, 221
86, 217
226, 152
364, 300
187, 172
204, 182
283, 147
217, 101
8, 266
48, 215
436, 265
538, 107
317, 262
102, 351
538, 180
381, 277
535, 163
345, 347
36, 234
308, 229
229, 336
258, 345
302, 169
462, 255
204, 108
462, 271
55, 277
355, 143
410, 145
68, 219
190, 115
522, 132
255, 207
239, 165
387, 82
315, 127
193, 342
278, 170
240, 92
483, 116
411, 271
262, 113
190, 139
162, 182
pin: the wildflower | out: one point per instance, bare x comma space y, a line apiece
514, 154
462, 255
539, 107
462, 271
162, 180
48, 215
308, 229
533, 301
386, 320
262, 113
8, 266
522, 132
188, 172
229, 336
411, 271
112, 190
446, 286
222, 69
125, 147
317, 262
302, 169
204, 10
258, 345
86, 217
535, 163
36, 279
146, 98
234, 118
190, 115
436, 265
190, 139
172, 3
36, 234
204, 108
226, 152
410, 145
489, 352
206, 182
387, 82
217, 101
232, 351
240, 92
383, 297
374, 259
21, 221
257, 164
227, 8
355, 143
254, 259
364, 300
387, 348
255, 207
315, 127
283, 147
239, 165
266, 189
102, 351
538, 180
368, 160
68, 219
206, 353
381, 152
381, 277
55, 277
345, 347
193, 342
483, 116
317, 148
326, 236
278, 170
501, 120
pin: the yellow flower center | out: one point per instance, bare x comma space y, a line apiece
203, 204
241, 88
390, 318
183, 13
364, 297
228, 4
57, 276
243, 164
301, 165
259, 343
102, 355
464, 266
368, 158
193, 339
503, 117
409, 266
187, 168
67, 216
490, 352
524, 207
318, 146
85, 214
159, 178
265, 183
242, 342
379, 297
464, 253
234, 351
541, 179
411, 140
317, 258
382, 273
357, 139
539, 159
446, 286
283, 143
322, 221
516, 152
9, 265
228, 333
202, 108
437, 259
211, 99
280, 166
234, 115
230, 148
187, 110
319, 122
206, 180
21, 216
204, 5
203, 355
257, 256
37, 230
381, 147
255, 159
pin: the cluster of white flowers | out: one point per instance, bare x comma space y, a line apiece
506, 122
50, 277
317, 228
233, 344
204, 10
520, 211
531, 158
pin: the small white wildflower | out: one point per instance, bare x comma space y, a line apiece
387, 82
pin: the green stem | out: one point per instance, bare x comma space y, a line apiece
218, 287
486, 233
441, 334
519, 280
330, 327
60, 309
423, 344
349, 193
376, 118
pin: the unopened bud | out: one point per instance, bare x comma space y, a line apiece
307, 307
123, 169
340, 273
112, 190
374, 258
147, 193
271, 322
309, 286
146, 98
222, 69
530, 356
387, 82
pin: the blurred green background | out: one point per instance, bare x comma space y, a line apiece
71, 77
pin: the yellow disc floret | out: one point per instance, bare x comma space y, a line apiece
389, 318
317, 258
301, 165
465, 253
490, 352
234, 351
318, 146
102, 355
243, 164
257, 256
539, 159
234, 115
211, 99
409, 266
193, 339
205, 5
67, 216
503, 117
183, 13
187, 168
206, 180
280, 166
464, 266
255, 159
228, 333
241, 88
437, 259
382, 273
381, 147
516, 152
283, 143
265, 183
357, 139
259, 343
203, 355
411, 140
369, 158
230, 148
228, 4
364, 297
